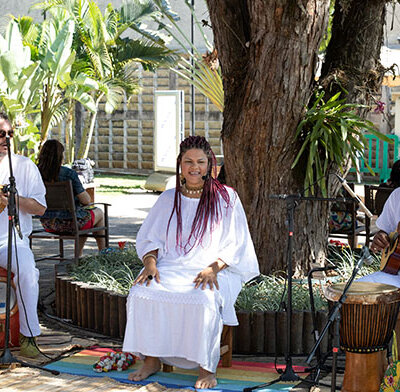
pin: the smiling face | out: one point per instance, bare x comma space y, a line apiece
194, 165
4, 126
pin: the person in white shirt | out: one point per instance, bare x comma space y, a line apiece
197, 252
387, 222
30, 201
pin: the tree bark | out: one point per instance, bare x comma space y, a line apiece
268, 54
353, 54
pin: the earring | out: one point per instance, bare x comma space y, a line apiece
206, 177
183, 179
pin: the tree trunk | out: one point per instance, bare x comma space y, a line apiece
268, 54
353, 53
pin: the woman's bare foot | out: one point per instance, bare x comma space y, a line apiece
150, 366
205, 380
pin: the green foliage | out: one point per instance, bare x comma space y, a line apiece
331, 132
115, 270
267, 293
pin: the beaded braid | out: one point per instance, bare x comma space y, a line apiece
209, 208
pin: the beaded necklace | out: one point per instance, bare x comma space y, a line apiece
191, 192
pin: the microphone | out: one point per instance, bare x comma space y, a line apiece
354, 196
365, 258
368, 259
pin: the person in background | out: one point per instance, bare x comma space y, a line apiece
51, 169
197, 252
30, 200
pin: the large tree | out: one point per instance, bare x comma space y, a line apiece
268, 50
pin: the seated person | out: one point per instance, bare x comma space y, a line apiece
385, 188
196, 251
387, 222
49, 164
31, 201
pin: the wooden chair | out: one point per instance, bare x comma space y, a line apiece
60, 197
349, 207
226, 349
374, 201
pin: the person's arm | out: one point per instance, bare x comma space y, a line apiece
150, 270
25, 204
209, 275
84, 198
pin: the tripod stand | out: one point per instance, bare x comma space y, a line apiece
6, 357
289, 374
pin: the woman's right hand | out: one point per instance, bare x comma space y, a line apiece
149, 273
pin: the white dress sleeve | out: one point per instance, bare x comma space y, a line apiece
152, 233
390, 216
237, 249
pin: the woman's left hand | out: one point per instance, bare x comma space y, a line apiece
207, 277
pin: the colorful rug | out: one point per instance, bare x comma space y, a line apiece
240, 375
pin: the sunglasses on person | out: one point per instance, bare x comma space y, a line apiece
3, 133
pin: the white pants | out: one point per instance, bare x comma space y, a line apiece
27, 276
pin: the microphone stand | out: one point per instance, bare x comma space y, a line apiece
292, 201
6, 357
335, 310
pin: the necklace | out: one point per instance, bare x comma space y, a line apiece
192, 192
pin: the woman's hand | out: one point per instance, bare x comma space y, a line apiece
380, 241
209, 275
149, 273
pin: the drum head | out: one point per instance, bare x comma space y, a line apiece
3, 292
364, 293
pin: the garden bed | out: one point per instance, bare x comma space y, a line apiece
93, 295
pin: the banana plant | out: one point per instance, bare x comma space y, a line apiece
20, 84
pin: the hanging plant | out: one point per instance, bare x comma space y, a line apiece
331, 133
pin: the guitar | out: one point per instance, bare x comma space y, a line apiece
2, 206
390, 259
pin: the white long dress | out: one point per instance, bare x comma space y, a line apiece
172, 320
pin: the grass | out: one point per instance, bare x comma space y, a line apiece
114, 185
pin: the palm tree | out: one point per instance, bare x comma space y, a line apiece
107, 58
51, 47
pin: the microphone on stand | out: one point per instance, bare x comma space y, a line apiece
354, 196
365, 258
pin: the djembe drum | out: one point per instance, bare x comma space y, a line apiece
367, 319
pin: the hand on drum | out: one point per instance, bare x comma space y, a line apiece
381, 241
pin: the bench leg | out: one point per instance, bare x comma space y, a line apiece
226, 346
167, 368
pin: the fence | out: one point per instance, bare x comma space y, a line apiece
380, 156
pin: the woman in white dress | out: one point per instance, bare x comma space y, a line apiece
197, 252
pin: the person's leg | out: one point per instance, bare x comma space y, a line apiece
26, 280
150, 366
99, 221
205, 380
